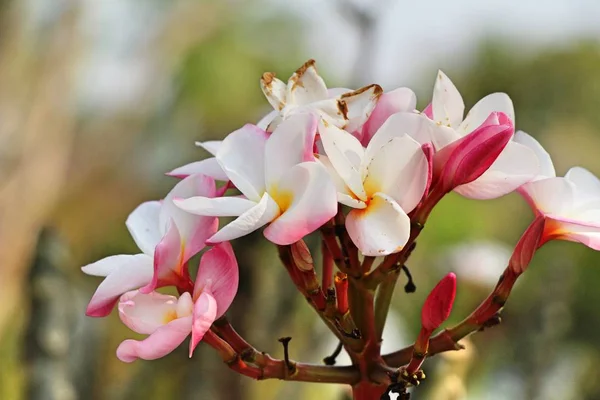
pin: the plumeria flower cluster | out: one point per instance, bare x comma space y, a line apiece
364, 168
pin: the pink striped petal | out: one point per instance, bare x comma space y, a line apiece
194, 230
143, 225
582, 232
380, 229
219, 273
127, 273
495, 102
169, 266
291, 143
398, 100
160, 343
205, 313
307, 199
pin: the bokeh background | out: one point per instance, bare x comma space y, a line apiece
98, 98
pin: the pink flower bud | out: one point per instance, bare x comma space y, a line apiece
527, 246
439, 303
468, 158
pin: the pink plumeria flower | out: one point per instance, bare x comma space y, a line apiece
382, 183
168, 320
306, 91
282, 185
570, 206
167, 236
515, 165
209, 166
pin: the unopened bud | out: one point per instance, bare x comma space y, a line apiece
439, 303
301, 256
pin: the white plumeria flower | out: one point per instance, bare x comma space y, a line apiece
167, 237
281, 183
570, 205
382, 183
306, 91
516, 164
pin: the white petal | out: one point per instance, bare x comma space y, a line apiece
265, 121
274, 90
143, 224
400, 170
447, 104
516, 165
265, 211
587, 185
417, 126
380, 229
217, 207
344, 194
212, 146
345, 154
242, 157
209, 167
546, 165
359, 105
495, 102
551, 196
291, 143
307, 199
306, 86
108, 265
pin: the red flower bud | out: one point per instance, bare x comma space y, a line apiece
439, 303
527, 246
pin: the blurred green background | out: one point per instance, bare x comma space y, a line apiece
98, 98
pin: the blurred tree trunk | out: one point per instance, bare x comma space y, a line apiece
36, 133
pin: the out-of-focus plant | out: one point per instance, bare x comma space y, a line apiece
362, 169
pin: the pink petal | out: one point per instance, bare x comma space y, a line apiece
400, 170
205, 313
194, 230
447, 104
143, 224
160, 343
291, 143
495, 102
168, 262
398, 100
241, 156
527, 246
127, 273
516, 165
428, 111
307, 199
550, 196
438, 304
468, 158
145, 313
380, 229
265, 211
209, 167
218, 271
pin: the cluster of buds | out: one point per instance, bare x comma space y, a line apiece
363, 169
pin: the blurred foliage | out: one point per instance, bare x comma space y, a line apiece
208, 57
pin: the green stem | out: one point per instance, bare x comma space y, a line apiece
383, 300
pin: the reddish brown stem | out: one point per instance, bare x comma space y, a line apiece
327, 273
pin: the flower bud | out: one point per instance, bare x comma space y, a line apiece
439, 303
301, 256
527, 246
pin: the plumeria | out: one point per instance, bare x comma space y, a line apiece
381, 183
363, 168
306, 91
168, 320
167, 237
282, 184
